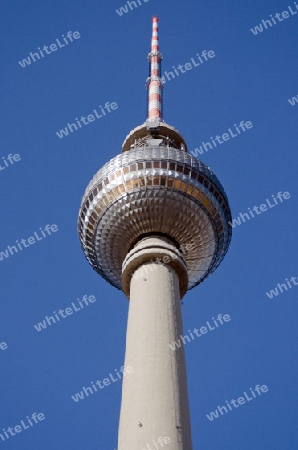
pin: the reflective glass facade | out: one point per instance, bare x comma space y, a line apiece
154, 189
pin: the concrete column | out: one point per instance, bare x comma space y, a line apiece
154, 408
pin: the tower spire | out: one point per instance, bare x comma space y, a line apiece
154, 82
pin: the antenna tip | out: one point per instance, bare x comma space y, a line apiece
155, 19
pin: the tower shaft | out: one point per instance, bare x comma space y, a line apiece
154, 396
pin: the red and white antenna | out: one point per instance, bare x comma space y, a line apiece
154, 82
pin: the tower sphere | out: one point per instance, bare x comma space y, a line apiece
154, 187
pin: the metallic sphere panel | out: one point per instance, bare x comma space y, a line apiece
154, 189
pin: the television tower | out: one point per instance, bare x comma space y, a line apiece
154, 222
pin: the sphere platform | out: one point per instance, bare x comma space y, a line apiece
154, 187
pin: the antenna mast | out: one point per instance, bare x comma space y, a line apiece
154, 83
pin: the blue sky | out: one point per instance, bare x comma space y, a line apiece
251, 79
